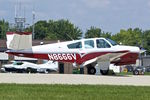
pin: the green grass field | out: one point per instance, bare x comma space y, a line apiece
130, 73
72, 92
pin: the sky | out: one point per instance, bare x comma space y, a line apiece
109, 15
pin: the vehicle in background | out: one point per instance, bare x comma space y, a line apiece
139, 70
129, 68
27, 67
15, 67
114, 68
147, 69
48, 67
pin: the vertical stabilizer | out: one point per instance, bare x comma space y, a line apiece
19, 40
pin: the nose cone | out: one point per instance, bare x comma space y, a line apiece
135, 49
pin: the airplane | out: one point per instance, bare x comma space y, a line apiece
83, 52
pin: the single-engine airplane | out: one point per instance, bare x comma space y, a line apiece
84, 52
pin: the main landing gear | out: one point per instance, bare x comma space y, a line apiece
104, 72
92, 70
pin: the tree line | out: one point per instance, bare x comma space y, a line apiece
65, 30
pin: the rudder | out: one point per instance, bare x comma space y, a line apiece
19, 40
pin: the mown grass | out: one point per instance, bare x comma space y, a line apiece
72, 92
147, 73
130, 73
124, 73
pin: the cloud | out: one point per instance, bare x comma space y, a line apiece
3, 12
96, 3
22, 1
41, 15
148, 3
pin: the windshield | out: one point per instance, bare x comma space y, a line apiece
112, 42
102, 43
17, 63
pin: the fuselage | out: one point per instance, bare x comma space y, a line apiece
80, 51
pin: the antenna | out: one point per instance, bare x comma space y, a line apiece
15, 11
70, 37
20, 9
33, 15
24, 12
19, 17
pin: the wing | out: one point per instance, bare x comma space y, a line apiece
109, 57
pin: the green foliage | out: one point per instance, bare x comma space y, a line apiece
95, 32
56, 30
3, 28
129, 37
63, 30
146, 40
72, 92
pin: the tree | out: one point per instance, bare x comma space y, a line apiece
56, 30
93, 32
106, 35
3, 28
63, 30
145, 40
129, 37
96, 32
40, 29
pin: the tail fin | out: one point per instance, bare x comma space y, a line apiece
19, 40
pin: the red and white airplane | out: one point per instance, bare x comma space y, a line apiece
84, 52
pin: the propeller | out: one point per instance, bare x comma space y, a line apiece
142, 50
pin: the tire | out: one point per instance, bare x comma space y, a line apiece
28, 70
91, 70
136, 72
104, 72
47, 71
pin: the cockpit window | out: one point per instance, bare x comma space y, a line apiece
102, 44
89, 44
75, 45
17, 63
112, 42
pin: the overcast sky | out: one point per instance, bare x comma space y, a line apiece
109, 15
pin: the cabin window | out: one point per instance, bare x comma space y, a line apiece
75, 45
89, 44
17, 63
102, 44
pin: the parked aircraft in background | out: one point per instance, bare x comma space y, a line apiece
27, 67
84, 52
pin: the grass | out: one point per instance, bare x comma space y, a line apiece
72, 92
124, 73
130, 73
147, 73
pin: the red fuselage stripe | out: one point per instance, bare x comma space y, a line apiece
129, 58
19, 33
